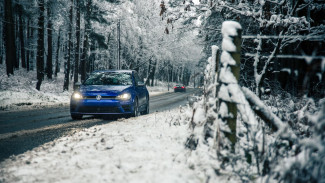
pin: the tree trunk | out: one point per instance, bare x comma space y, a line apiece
149, 71
9, 38
85, 57
153, 73
28, 48
57, 65
40, 46
171, 73
32, 52
1, 40
67, 67
77, 57
49, 64
21, 37
16, 31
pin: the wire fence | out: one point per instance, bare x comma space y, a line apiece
320, 38
288, 56
305, 37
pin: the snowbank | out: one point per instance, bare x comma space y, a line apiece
18, 91
149, 148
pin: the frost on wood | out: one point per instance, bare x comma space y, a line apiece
210, 75
229, 30
226, 76
214, 58
227, 59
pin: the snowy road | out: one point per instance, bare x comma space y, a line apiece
23, 130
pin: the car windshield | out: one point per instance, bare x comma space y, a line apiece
109, 78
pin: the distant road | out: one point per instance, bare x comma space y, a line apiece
21, 131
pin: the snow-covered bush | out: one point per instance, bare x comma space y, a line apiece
305, 160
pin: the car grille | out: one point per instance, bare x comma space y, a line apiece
103, 97
97, 109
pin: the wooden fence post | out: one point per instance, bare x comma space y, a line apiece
229, 75
215, 65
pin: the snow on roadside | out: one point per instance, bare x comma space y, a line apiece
149, 148
160, 88
19, 92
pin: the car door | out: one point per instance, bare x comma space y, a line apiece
140, 89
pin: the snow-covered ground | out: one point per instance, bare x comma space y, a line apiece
149, 148
18, 91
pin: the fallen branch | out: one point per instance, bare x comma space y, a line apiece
262, 110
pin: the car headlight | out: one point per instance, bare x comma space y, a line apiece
76, 96
124, 96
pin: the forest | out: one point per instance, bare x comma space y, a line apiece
79, 36
278, 86
282, 43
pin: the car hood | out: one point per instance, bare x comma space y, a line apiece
103, 89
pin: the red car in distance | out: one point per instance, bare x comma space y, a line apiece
179, 88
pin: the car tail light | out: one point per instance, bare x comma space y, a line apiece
183, 87
175, 87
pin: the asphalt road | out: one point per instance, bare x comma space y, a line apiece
21, 131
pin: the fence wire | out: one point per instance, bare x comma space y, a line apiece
307, 37
287, 56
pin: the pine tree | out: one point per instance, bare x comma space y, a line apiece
77, 57
67, 66
9, 37
49, 62
40, 46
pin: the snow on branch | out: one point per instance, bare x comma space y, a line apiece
259, 76
265, 114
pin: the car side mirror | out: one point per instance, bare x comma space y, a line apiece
140, 83
76, 86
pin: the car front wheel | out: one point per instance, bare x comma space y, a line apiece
135, 108
146, 111
76, 116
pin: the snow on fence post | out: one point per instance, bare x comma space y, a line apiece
215, 66
211, 73
228, 76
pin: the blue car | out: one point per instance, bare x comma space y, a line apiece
112, 92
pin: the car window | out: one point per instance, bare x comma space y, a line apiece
109, 78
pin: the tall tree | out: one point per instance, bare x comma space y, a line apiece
28, 50
9, 37
67, 66
49, 64
77, 57
85, 56
57, 65
21, 36
40, 46
16, 31
1, 35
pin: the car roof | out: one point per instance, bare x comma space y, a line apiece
114, 70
